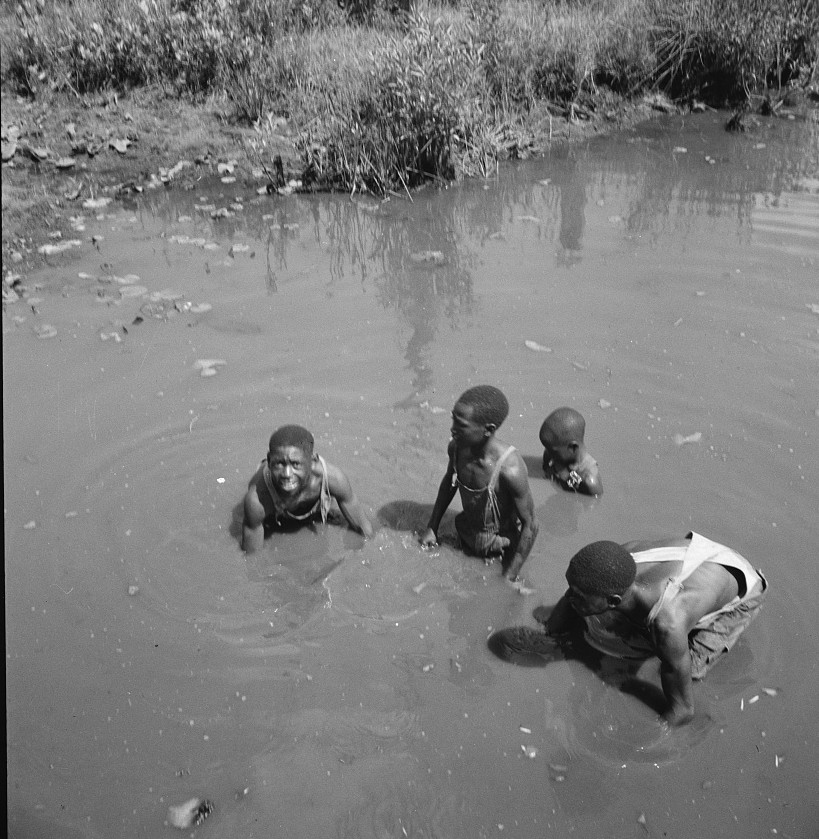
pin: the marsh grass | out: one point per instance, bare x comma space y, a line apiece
383, 95
723, 50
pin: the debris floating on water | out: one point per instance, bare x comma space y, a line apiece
770, 691
535, 347
529, 751
30, 525
132, 590
680, 440
189, 814
604, 403
208, 366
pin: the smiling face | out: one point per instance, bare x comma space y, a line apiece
290, 469
465, 430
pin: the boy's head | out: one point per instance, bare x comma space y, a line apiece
292, 435
562, 435
488, 405
598, 576
289, 458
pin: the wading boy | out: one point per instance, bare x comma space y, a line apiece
565, 459
686, 601
498, 512
293, 486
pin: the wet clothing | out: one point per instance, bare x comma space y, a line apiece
714, 634
572, 479
479, 526
282, 517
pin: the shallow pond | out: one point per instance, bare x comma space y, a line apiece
663, 281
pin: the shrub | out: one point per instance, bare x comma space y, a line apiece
412, 120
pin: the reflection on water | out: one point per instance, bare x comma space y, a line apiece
665, 281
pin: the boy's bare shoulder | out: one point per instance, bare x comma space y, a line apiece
514, 466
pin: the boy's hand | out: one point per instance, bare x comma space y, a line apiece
428, 539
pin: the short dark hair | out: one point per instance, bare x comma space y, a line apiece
488, 404
292, 435
602, 569
564, 421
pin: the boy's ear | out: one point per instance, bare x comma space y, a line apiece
574, 445
490, 428
614, 600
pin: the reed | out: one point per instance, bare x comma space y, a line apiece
383, 95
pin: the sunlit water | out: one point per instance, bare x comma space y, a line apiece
666, 282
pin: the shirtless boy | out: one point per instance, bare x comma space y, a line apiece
565, 459
686, 601
294, 486
498, 512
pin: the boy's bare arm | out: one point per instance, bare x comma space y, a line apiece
446, 492
562, 617
591, 484
253, 524
670, 634
517, 480
349, 505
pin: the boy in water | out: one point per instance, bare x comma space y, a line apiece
565, 459
294, 486
498, 512
686, 601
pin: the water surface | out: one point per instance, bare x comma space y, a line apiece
666, 283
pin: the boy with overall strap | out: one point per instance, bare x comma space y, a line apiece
687, 601
498, 512
293, 486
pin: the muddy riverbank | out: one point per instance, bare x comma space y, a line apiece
67, 150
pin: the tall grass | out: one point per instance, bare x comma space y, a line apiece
384, 95
723, 50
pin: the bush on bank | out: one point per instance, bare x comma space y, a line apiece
384, 95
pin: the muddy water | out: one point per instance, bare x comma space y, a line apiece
666, 281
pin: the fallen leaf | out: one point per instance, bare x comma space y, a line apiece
65, 162
96, 203
8, 150
205, 363
119, 145
66, 244
36, 153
